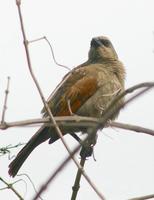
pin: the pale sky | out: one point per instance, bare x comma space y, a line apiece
125, 160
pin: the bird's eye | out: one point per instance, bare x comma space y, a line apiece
106, 43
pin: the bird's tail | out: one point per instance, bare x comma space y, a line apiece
40, 136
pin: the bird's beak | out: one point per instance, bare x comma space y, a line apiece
97, 42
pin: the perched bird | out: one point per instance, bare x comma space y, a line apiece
86, 91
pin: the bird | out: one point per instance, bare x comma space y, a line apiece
86, 90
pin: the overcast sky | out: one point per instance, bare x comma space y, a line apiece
125, 160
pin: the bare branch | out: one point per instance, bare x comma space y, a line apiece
143, 197
52, 51
31, 183
76, 186
36, 40
10, 186
147, 85
58, 169
131, 127
76, 121
5, 100
109, 112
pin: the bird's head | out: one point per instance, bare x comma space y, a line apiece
102, 50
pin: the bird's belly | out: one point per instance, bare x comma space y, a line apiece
95, 106
90, 107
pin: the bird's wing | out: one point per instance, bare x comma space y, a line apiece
78, 86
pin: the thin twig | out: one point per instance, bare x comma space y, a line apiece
45, 103
131, 127
31, 183
6, 149
76, 186
10, 186
53, 55
52, 51
36, 40
61, 121
5, 100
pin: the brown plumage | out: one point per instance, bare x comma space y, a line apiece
87, 90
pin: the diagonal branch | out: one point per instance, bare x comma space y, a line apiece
131, 127
151, 196
52, 51
18, 3
147, 85
36, 82
76, 186
109, 112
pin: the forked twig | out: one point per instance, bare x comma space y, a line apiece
10, 186
6, 149
52, 51
53, 55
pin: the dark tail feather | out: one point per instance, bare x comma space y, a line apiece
40, 136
